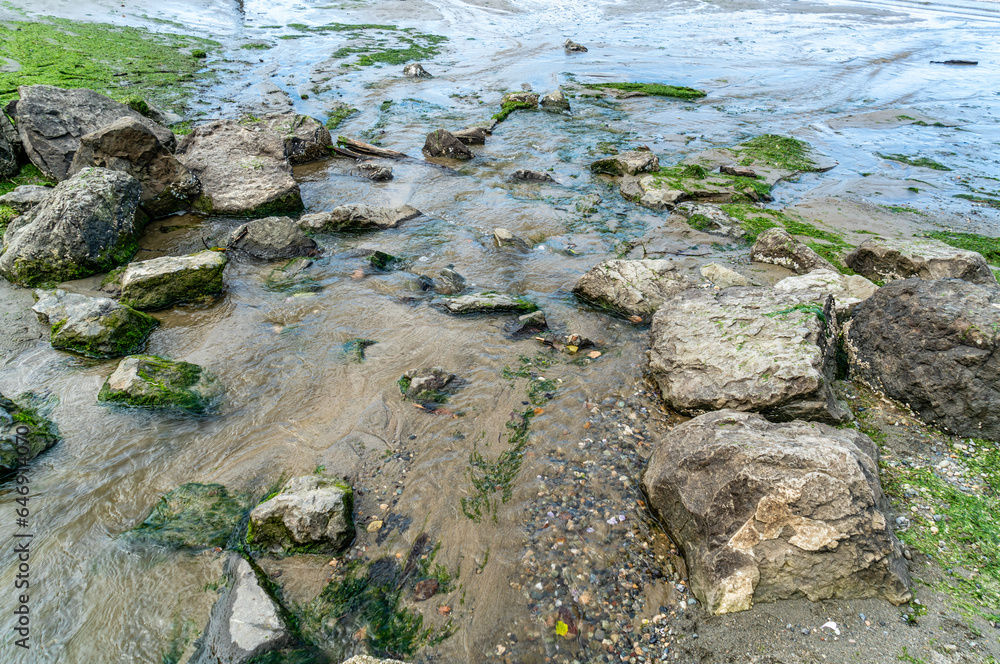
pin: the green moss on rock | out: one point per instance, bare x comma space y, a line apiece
24, 433
148, 381
191, 516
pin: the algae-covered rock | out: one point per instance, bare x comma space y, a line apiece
504, 238
627, 163
847, 290
92, 326
487, 303
554, 102
25, 197
162, 282
10, 148
292, 277
357, 217
415, 70
24, 433
191, 516
427, 384
311, 515
305, 138
148, 381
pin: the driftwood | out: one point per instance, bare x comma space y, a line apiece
344, 152
369, 149
955, 62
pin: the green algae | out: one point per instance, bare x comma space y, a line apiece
191, 516
339, 115
165, 384
776, 151
123, 332
989, 247
982, 200
42, 433
29, 174
921, 162
264, 536
654, 89
509, 107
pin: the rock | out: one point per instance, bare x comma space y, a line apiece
92, 326
415, 70
770, 511
162, 282
776, 246
368, 659
429, 385
24, 433
449, 282
357, 217
738, 171
847, 290
722, 276
51, 121
657, 199
10, 149
526, 325
524, 175
707, 218
148, 381
86, 226
554, 102
310, 515
305, 139
572, 47
424, 590
486, 303
242, 171
372, 171
245, 623
441, 143
527, 97
192, 516
472, 135
934, 345
504, 238
881, 259
25, 197
271, 238
627, 163
130, 146
587, 204
632, 288
291, 277
750, 349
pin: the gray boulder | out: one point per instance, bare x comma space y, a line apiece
305, 138
271, 238
934, 345
130, 146
847, 290
86, 226
357, 217
24, 433
310, 515
881, 259
25, 197
504, 238
51, 121
242, 171
486, 303
776, 246
768, 511
373, 172
415, 70
627, 163
10, 149
749, 349
554, 102
161, 282
148, 381
92, 326
632, 288
245, 622
441, 143
449, 282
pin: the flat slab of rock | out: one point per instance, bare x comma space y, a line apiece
632, 288
192, 516
704, 217
776, 246
441, 143
627, 163
769, 511
25, 197
271, 238
847, 290
487, 303
305, 138
357, 217
746, 348
881, 259
130, 146
92, 326
242, 171
148, 381
245, 623
24, 433
86, 226
310, 515
935, 346
162, 282
373, 172
51, 121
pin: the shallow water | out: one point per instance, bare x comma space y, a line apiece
294, 395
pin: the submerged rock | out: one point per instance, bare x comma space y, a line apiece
130, 146
305, 138
750, 349
627, 163
271, 238
148, 381
722, 276
415, 70
291, 277
935, 346
776, 246
526, 325
632, 288
25, 197
504, 238
357, 217
554, 102
475, 135
310, 515
162, 282
86, 226
428, 384
449, 282
441, 143
525, 175
193, 516
881, 259
92, 326
372, 171
486, 303
770, 511
572, 47
847, 290
24, 433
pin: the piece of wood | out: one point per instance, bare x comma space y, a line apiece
344, 152
369, 149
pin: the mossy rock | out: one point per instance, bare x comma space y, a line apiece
191, 516
91, 326
148, 381
24, 433
291, 278
310, 515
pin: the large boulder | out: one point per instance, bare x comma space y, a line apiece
51, 122
148, 381
242, 171
776, 246
747, 348
163, 282
441, 143
86, 226
305, 138
131, 146
24, 433
272, 238
25, 197
768, 511
357, 216
632, 288
310, 515
93, 326
882, 259
934, 345
245, 623
627, 163
847, 290
10, 149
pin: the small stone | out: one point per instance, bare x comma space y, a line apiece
415, 70
372, 171
374, 526
425, 589
504, 238
554, 102
572, 47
